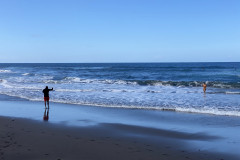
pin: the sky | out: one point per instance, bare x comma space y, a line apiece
83, 31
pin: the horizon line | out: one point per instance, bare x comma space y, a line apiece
115, 62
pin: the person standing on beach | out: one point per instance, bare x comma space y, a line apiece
46, 95
204, 87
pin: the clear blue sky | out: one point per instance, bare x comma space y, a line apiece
119, 30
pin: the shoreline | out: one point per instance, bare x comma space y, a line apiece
88, 132
177, 110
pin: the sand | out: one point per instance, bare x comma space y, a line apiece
28, 139
110, 138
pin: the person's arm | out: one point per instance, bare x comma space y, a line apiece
51, 89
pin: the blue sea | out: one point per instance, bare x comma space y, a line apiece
155, 86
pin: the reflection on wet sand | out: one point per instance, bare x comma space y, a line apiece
46, 114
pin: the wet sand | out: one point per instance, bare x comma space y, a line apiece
25, 139
120, 138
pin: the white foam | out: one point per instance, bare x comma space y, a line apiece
5, 84
97, 81
178, 109
117, 90
232, 92
51, 81
3, 81
209, 111
29, 88
25, 74
9, 85
74, 90
5, 71
159, 84
78, 80
221, 86
151, 91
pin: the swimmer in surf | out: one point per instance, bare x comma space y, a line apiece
204, 87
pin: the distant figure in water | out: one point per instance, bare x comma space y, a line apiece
204, 87
46, 95
46, 114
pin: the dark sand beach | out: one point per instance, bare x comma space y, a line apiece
87, 132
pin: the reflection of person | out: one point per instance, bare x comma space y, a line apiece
204, 87
46, 114
46, 95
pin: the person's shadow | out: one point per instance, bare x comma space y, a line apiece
46, 114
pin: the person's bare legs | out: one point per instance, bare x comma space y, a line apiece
45, 104
48, 103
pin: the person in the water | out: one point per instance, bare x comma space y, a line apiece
204, 87
46, 95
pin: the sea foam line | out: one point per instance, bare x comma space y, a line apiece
173, 109
177, 109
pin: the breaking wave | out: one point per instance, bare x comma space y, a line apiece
5, 71
214, 84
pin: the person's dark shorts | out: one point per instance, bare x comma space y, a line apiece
46, 98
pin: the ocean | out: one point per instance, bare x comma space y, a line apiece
154, 86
